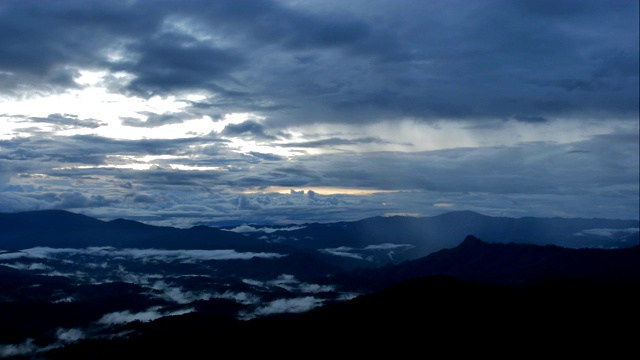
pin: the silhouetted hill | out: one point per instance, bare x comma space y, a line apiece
435, 315
495, 263
477, 295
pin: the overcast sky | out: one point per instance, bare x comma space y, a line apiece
215, 112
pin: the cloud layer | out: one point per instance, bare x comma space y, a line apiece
187, 112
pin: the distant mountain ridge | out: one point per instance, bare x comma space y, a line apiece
63, 229
517, 250
370, 242
458, 224
425, 235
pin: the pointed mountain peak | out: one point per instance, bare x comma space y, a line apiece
471, 240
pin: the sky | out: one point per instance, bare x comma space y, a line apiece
190, 112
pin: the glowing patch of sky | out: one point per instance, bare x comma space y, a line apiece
323, 190
248, 146
194, 168
391, 214
95, 101
444, 205
409, 135
126, 166
187, 129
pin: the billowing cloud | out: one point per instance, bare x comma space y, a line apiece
70, 335
289, 283
343, 251
31, 266
492, 172
294, 305
74, 200
121, 317
367, 251
610, 233
244, 298
177, 294
10, 255
387, 246
27, 347
315, 288
268, 230
155, 255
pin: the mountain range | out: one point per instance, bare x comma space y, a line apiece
72, 286
366, 243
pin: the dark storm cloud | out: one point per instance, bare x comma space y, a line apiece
336, 142
68, 120
44, 42
531, 119
267, 23
143, 198
247, 129
163, 178
294, 175
48, 150
74, 200
536, 168
175, 62
268, 157
34, 200
334, 61
155, 120
271, 174
92, 149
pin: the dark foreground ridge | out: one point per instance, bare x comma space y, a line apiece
585, 313
433, 314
